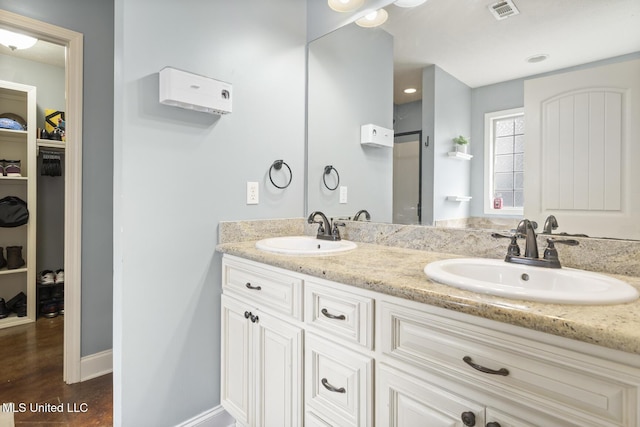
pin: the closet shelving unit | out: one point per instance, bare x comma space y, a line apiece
19, 145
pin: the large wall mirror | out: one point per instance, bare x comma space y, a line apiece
467, 64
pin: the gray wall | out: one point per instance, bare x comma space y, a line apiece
95, 20
446, 106
350, 84
178, 173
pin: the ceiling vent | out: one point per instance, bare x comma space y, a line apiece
503, 9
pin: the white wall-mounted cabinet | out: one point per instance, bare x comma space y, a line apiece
373, 359
19, 145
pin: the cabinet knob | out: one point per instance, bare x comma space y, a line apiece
493, 424
254, 319
247, 314
250, 286
468, 418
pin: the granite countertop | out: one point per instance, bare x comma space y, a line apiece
399, 272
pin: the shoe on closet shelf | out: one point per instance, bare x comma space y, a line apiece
49, 309
4, 311
12, 168
3, 261
46, 277
59, 279
14, 257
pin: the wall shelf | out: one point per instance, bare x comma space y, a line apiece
458, 198
458, 155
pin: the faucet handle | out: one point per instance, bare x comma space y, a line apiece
335, 232
551, 253
513, 249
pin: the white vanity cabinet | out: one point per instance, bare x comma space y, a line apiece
322, 353
262, 342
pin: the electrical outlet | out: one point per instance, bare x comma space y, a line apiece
343, 194
252, 193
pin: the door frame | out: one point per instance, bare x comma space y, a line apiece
73, 41
419, 134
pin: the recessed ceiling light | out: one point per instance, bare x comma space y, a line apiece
537, 58
410, 90
409, 3
345, 5
373, 19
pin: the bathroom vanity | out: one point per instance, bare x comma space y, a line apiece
363, 338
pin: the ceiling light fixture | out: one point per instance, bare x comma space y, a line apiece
345, 5
410, 90
409, 3
537, 58
373, 19
16, 41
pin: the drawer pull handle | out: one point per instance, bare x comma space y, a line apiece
502, 371
255, 288
329, 387
332, 316
468, 418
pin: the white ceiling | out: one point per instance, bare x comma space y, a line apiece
464, 39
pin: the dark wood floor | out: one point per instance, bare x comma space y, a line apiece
31, 374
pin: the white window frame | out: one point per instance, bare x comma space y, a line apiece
489, 161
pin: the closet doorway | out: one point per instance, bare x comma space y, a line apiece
73, 44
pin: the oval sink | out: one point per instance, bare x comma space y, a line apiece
500, 278
304, 245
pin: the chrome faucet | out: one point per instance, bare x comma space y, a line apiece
526, 230
550, 224
326, 231
364, 212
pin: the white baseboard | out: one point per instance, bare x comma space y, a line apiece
215, 417
96, 365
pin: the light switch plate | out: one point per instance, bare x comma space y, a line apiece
252, 193
343, 194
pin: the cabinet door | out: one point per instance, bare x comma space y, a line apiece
278, 375
235, 360
406, 401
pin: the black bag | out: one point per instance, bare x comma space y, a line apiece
13, 212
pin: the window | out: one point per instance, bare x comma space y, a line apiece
504, 162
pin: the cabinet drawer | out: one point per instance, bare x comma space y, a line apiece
342, 314
338, 383
558, 382
269, 287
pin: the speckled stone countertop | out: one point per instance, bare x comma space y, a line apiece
399, 272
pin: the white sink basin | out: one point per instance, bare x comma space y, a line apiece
500, 278
304, 245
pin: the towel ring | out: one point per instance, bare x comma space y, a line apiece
327, 171
277, 165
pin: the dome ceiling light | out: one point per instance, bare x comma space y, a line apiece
345, 5
373, 19
409, 3
15, 40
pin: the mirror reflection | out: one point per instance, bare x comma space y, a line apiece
468, 70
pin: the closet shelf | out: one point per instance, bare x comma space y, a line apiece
14, 271
458, 155
50, 143
458, 198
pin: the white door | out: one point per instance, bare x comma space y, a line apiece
279, 374
235, 360
406, 401
582, 148
406, 181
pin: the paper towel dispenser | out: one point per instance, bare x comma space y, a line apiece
376, 136
194, 92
